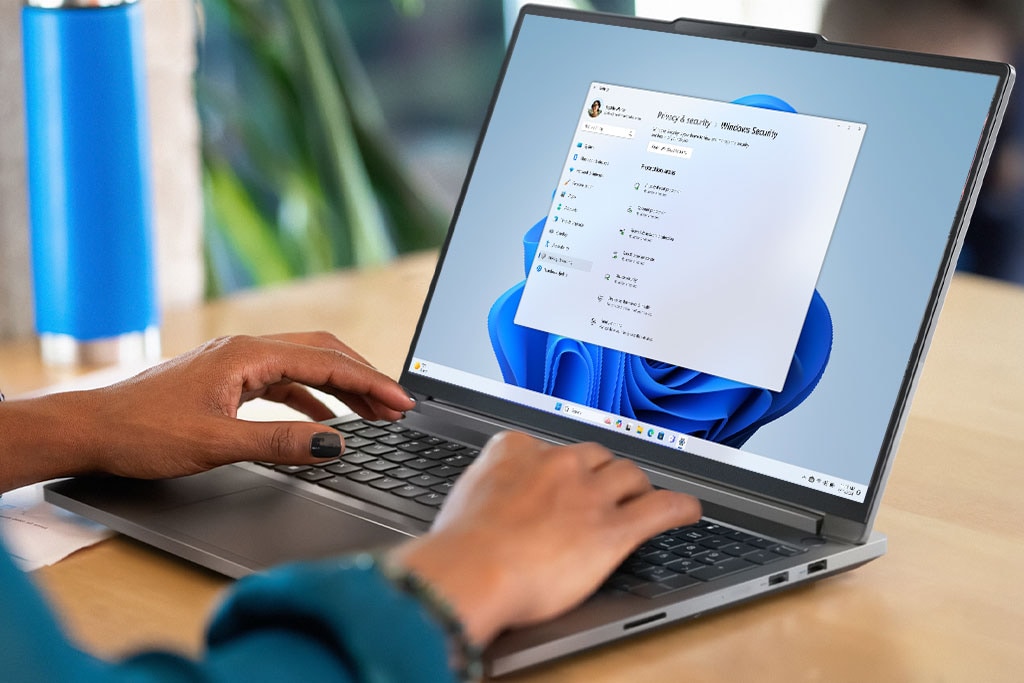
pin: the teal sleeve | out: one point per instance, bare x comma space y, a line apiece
337, 620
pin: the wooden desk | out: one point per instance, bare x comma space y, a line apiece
945, 604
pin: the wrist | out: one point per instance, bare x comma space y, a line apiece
464, 655
465, 577
42, 439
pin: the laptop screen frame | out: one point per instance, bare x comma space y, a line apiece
853, 518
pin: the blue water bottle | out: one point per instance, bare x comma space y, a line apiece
90, 182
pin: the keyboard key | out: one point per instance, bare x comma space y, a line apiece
409, 491
684, 564
717, 571
342, 468
655, 573
355, 442
666, 542
314, 475
681, 581
458, 460
762, 557
371, 433
737, 549
425, 480
689, 550
659, 557
397, 429
431, 498
392, 439
402, 472
420, 463
376, 449
711, 557
415, 446
379, 465
398, 456
325, 463
444, 487
386, 483
357, 458
445, 471
715, 542
292, 469
348, 428
363, 476
632, 565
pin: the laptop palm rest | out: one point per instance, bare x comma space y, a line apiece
228, 519
291, 527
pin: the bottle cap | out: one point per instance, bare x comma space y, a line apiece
61, 350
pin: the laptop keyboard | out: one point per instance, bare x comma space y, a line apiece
411, 472
694, 554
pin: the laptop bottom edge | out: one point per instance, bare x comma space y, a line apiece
613, 615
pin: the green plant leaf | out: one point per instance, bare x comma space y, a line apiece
243, 227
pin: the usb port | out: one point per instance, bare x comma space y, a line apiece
815, 567
776, 579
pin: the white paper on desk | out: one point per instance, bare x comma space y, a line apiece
38, 534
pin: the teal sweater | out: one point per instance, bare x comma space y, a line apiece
333, 620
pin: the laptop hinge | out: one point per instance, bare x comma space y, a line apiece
480, 422
742, 502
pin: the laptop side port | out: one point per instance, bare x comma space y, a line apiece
776, 579
818, 566
644, 621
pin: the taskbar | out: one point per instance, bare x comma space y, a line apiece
679, 441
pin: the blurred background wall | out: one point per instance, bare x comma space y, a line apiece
15, 291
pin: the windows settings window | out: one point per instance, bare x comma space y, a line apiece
690, 231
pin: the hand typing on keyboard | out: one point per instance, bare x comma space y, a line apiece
531, 529
179, 417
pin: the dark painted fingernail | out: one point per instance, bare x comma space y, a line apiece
325, 445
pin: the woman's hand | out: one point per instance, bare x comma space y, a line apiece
180, 417
531, 529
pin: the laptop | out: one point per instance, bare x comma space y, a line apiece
718, 250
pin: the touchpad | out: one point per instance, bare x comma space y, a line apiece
269, 526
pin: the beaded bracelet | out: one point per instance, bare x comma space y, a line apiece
465, 657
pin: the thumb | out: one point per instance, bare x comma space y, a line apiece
292, 442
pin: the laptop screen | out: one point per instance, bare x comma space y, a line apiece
717, 255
